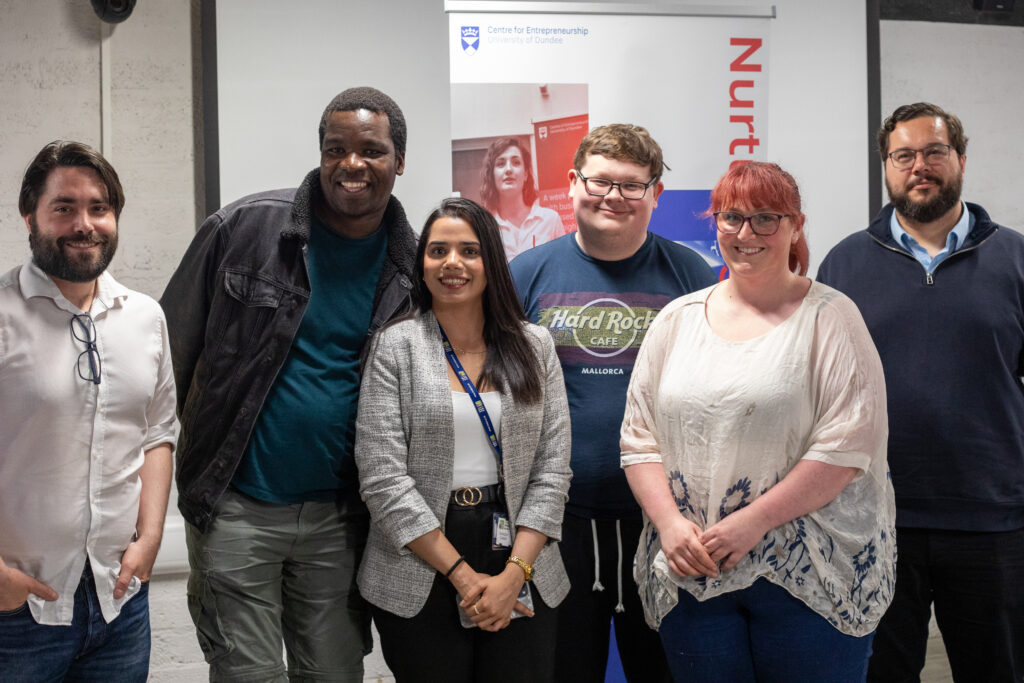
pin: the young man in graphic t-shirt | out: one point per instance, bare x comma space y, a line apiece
597, 291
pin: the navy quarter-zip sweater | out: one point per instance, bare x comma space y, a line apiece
952, 347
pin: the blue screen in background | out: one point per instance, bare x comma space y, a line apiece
678, 218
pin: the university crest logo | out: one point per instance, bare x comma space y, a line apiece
470, 39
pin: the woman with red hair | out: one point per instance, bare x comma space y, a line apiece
755, 438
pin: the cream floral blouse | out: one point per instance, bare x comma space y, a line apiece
728, 420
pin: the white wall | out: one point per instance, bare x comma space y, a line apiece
50, 90
50, 78
818, 113
973, 71
282, 62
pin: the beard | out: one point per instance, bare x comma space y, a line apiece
50, 256
934, 208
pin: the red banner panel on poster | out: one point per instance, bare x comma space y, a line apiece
556, 141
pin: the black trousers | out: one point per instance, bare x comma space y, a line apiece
434, 646
585, 615
976, 581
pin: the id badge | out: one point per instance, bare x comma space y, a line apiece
501, 532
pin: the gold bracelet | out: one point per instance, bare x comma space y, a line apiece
523, 564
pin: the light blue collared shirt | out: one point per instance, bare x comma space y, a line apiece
954, 240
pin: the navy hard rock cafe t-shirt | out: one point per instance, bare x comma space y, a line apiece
598, 313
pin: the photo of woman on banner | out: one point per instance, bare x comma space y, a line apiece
509, 191
754, 438
462, 444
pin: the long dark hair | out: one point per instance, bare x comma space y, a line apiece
511, 360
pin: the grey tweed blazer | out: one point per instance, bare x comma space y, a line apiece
404, 448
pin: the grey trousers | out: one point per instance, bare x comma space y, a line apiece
267, 575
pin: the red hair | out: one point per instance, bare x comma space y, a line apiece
762, 184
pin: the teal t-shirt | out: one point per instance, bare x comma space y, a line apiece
301, 445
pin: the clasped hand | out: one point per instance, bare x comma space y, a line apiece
693, 552
489, 600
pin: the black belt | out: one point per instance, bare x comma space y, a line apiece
471, 496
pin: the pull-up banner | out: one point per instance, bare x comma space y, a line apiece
699, 84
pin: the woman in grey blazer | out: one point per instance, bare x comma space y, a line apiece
461, 521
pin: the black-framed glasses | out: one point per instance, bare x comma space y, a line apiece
933, 155
630, 189
89, 365
763, 224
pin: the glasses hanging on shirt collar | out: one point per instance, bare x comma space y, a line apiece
83, 329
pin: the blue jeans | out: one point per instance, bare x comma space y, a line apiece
88, 650
760, 633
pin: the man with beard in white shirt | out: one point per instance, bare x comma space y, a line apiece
86, 430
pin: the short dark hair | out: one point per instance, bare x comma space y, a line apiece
488, 191
64, 154
373, 100
511, 360
908, 112
625, 142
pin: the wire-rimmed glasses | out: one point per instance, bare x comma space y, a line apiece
83, 329
601, 187
764, 224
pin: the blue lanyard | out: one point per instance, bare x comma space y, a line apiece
467, 384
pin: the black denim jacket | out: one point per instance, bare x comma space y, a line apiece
233, 308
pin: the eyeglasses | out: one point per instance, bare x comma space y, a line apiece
933, 155
763, 224
599, 187
84, 330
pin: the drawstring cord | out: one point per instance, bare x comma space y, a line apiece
598, 586
619, 608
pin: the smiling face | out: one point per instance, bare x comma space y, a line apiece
453, 266
611, 216
924, 192
358, 167
73, 231
747, 253
510, 172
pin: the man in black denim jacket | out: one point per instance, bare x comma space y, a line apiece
269, 313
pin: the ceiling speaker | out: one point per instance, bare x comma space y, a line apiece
113, 11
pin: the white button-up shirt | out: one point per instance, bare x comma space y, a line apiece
71, 450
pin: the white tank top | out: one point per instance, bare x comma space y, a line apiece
476, 464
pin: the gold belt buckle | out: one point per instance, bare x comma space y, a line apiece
468, 496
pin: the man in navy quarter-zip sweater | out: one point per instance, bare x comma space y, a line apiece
941, 288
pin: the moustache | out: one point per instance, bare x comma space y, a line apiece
92, 239
926, 177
